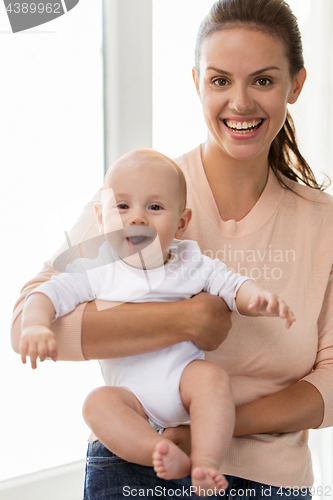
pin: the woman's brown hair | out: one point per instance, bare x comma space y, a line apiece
275, 18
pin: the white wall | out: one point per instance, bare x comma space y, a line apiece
51, 130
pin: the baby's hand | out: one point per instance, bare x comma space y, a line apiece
268, 304
38, 341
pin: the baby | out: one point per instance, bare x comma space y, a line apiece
143, 217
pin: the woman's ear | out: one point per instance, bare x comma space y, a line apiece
99, 217
183, 222
196, 81
299, 80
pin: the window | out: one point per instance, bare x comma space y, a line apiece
51, 131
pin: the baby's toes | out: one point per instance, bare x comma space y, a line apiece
219, 479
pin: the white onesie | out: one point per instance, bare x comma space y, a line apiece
153, 377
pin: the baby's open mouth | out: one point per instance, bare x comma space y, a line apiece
243, 127
136, 240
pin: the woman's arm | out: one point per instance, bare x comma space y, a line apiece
130, 329
307, 404
292, 409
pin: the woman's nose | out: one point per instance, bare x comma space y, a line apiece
240, 99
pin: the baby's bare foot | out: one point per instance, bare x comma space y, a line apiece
170, 462
208, 481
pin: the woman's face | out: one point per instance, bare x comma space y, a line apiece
244, 87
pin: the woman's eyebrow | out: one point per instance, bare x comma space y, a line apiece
222, 72
264, 69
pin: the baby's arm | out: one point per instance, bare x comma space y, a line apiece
253, 300
37, 339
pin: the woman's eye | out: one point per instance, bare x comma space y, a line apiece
155, 207
263, 82
220, 82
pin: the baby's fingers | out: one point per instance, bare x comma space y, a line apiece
42, 350
52, 349
273, 304
255, 303
32, 353
285, 312
283, 308
290, 318
24, 351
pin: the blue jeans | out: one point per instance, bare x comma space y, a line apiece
108, 477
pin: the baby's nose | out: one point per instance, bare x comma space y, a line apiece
138, 219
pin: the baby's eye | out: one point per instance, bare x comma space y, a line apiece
220, 82
263, 82
155, 207
122, 206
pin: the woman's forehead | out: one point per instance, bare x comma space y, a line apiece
242, 47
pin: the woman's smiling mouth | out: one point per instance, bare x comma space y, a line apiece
245, 127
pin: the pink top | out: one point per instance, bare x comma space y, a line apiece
285, 243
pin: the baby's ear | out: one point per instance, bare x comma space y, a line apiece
183, 222
98, 212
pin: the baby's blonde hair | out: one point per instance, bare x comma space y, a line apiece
150, 154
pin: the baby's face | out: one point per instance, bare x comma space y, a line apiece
145, 197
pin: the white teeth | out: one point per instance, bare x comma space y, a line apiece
243, 125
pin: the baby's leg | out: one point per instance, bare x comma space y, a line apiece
206, 394
117, 419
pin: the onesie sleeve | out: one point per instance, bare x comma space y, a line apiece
322, 375
225, 283
67, 328
66, 291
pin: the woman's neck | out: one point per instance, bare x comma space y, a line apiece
236, 185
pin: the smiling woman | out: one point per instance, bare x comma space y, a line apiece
253, 86
280, 381
174, 136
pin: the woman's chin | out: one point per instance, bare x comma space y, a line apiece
247, 152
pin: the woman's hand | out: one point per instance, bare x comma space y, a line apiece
209, 318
